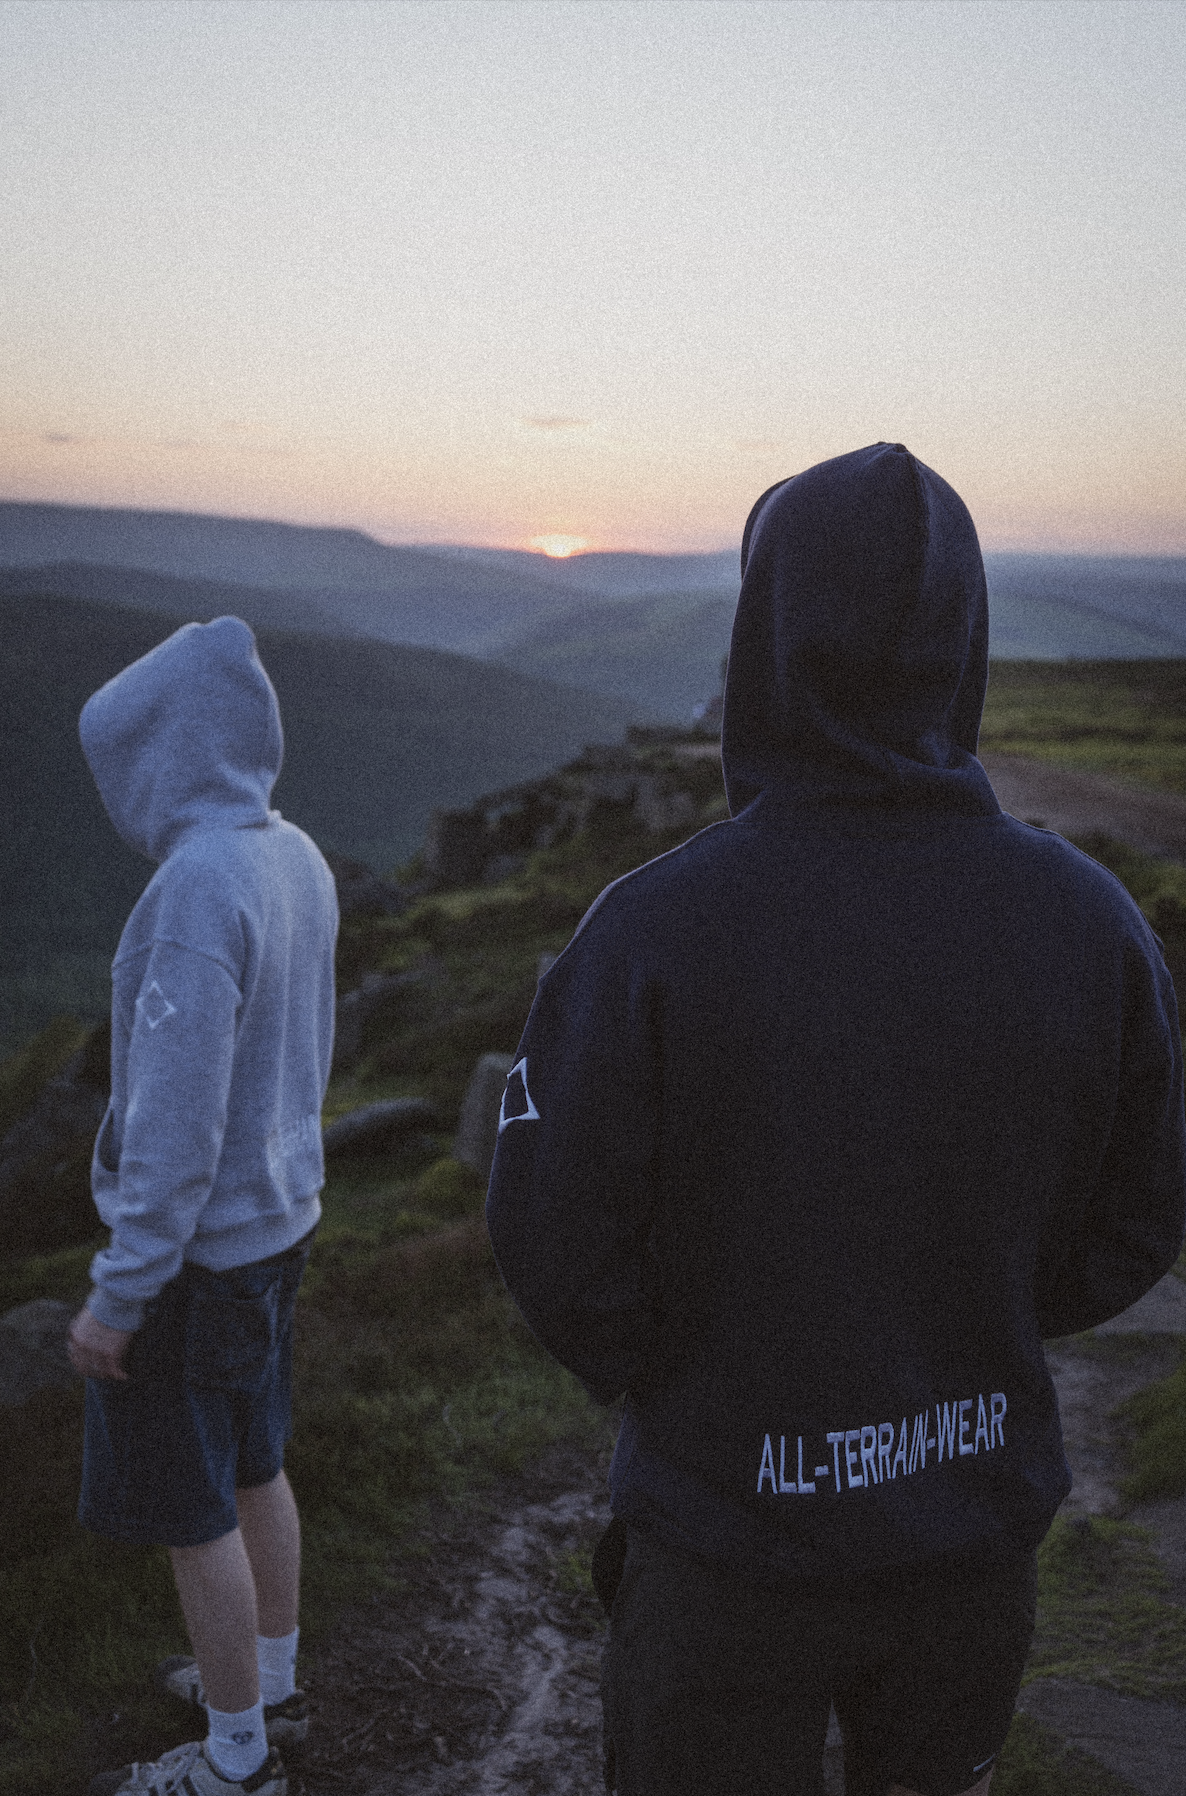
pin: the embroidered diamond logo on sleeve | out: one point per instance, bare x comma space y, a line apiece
516, 1093
154, 1007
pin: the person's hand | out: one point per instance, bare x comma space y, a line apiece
95, 1350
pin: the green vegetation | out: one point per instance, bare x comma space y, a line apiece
1157, 1450
1102, 1617
1126, 718
1158, 886
1034, 1762
478, 951
415, 1381
24, 1073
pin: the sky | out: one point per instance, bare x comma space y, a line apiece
594, 274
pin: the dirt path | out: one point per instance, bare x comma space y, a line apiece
1075, 803
1140, 1740
482, 1675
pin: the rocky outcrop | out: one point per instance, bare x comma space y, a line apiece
381, 1128
45, 1158
362, 893
379, 998
641, 781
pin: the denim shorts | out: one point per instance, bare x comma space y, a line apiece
206, 1408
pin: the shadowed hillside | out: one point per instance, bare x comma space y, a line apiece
377, 737
648, 629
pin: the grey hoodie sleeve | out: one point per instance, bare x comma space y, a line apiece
150, 1186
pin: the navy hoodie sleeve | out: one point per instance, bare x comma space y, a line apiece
573, 1187
1129, 1231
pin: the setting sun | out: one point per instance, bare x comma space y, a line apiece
560, 546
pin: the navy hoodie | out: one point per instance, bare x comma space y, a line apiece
823, 1120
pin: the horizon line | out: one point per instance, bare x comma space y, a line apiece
525, 548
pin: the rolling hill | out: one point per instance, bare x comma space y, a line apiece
661, 653
649, 629
337, 581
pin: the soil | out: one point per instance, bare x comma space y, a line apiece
479, 1676
481, 1673
1078, 804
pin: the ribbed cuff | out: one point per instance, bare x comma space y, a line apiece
114, 1312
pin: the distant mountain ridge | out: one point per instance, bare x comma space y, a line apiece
648, 629
614, 573
259, 552
196, 545
336, 582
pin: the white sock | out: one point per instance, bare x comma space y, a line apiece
236, 1744
277, 1665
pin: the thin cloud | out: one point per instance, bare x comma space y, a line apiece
60, 436
555, 423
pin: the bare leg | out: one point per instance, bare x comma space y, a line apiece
217, 1594
980, 1788
272, 1537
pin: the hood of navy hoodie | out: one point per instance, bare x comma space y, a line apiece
186, 738
859, 655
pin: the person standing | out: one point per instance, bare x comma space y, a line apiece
207, 1170
820, 1123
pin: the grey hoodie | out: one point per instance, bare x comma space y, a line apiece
222, 1000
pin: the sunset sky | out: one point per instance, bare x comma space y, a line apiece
501, 271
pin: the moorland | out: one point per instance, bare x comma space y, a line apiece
418, 1387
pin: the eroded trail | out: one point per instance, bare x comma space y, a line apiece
481, 1676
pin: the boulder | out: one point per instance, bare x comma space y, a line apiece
477, 1129
33, 1348
381, 1128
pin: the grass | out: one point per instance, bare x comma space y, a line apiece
1157, 1448
1035, 1762
479, 952
1102, 1615
1125, 718
24, 1073
415, 1382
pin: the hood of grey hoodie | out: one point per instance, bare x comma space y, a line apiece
188, 737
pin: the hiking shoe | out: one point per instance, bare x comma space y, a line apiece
186, 1771
286, 1723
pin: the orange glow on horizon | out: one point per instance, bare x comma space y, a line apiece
559, 548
